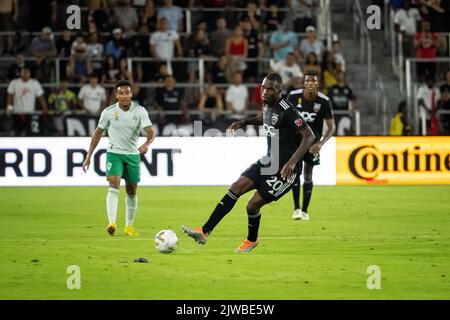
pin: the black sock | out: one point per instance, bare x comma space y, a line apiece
253, 226
307, 191
296, 195
223, 207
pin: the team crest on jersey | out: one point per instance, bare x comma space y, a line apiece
274, 119
298, 122
316, 107
134, 118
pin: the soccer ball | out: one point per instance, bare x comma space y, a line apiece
166, 241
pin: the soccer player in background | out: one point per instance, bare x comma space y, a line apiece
288, 139
123, 121
315, 107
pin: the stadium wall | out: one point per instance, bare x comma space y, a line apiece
220, 160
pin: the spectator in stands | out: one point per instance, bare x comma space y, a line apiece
115, 46
43, 48
287, 69
252, 15
237, 98
294, 84
98, 19
425, 43
428, 96
435, 13
173, 14
163, 71
94, 50
338, 56
64, 44
236, 49
62, 101
303, 13
211, 104
341, 95
149, 16
125, 17
399, 124
164, 41
255, 49
218, 74
79, 66
199, 47
219, 37
8, 16
312, 64
444, 105
273, 19
405, 22
110, 70
14, 69
311, 43
170, 99
21, 101
124, 72
329, 71
283, 41
92, 96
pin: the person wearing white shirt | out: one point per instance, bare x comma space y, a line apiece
164, 41
311, 43
405, 22
92, 96
287, 68
428, 96
236, 97
21, 100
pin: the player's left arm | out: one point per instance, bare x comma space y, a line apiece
298, 124
150, 137
147, 125
331, 128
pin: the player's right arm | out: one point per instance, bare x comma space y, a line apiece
258, 120
94, 142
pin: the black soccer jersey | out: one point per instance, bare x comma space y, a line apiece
313, 111
281, 126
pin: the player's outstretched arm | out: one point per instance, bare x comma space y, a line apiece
331, 128
305, 144
258, 120
150, 137
94, 142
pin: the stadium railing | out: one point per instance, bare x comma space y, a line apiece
360, 29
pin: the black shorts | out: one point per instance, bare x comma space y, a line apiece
270, 187
312, 159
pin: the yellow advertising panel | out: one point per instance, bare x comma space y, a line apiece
393, 160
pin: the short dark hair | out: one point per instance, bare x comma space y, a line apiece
311, 74
274, 77
122, 83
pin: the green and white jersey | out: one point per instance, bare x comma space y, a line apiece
123, 127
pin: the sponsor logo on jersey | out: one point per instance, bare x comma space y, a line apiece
274, 119
316, 107
309, 117
269, 130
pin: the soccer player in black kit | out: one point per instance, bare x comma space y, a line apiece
288, 139
315, 107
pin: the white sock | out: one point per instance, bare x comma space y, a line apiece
131, 205
112, 198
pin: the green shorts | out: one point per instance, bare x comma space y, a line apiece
123, 165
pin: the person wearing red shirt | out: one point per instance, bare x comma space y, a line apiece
425, 43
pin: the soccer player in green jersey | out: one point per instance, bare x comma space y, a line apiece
123, 121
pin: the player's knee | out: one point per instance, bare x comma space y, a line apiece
252, 207
131, 190
237, 188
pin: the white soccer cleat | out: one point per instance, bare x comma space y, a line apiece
305, 216
297, 214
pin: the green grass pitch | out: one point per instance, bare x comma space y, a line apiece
403, 230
